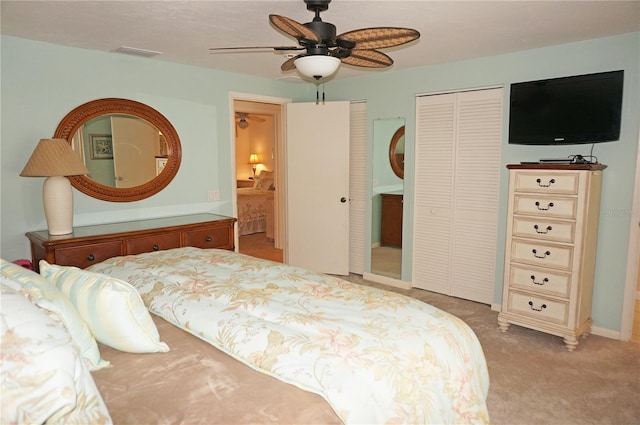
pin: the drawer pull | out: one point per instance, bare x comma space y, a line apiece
542, 307
542, 232
535, 254
208, 239
547, 208
156, 248
545, 280
91, 257
552, 181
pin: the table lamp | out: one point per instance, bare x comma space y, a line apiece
54, 159
254, 161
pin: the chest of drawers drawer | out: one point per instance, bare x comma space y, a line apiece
540, 280
544, 230
86, 255
542, 254
158, 242
538, 307
219, 237
545, 206
547, 182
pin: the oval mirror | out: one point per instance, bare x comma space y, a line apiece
131, 150
396, 152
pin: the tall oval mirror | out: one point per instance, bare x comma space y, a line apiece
131, 150
387, 197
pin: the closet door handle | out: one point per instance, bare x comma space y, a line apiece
343, 199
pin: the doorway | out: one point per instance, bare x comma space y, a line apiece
256, 165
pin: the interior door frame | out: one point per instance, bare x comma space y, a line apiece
633, 261
280, 175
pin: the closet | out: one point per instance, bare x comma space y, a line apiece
457, 185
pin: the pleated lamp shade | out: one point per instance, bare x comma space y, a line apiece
54, 159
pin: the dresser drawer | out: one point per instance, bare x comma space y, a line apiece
549, 182
541, 254
543, 281
538, 307
558, 231
214, 237
85, 255
150, 243
545, 206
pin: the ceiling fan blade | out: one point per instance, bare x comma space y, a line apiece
294, 29
380, 37
276, 48
289, 64
368, 59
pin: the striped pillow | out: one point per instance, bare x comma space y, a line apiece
45, 295
111, 307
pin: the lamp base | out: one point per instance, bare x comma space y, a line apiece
57, 198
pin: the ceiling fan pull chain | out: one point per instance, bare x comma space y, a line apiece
317, 94
323, 91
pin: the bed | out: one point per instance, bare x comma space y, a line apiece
253, 204
253, 341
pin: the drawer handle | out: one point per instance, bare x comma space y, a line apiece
208, 239
547, 208
91, 257
156, 248
545, 280
542, 307
535, 254
552, 181
542, 232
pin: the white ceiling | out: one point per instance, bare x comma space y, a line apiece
185, 30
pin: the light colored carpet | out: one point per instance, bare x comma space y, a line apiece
534, 379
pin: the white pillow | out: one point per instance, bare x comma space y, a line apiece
47, 296
112, 308
44, 378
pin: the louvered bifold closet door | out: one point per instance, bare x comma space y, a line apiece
357, 187
458, 145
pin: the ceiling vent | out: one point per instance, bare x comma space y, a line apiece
137, 52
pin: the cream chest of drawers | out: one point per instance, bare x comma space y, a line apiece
552, 230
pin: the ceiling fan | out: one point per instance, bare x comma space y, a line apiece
243, 119
324, 50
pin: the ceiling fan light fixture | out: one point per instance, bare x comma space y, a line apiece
243, 123
317, 66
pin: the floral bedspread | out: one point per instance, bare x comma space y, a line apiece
252, 210
374, 355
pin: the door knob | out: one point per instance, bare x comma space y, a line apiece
343, 199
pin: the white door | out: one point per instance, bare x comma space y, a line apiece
317, 184
134, 147
457, 192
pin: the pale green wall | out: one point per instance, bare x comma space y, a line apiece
42, 82
392, 94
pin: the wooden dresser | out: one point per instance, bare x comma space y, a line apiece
552, 232
391, 222
92, 244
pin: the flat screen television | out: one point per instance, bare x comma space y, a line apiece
568, 110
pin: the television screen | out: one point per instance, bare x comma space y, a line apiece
568, 110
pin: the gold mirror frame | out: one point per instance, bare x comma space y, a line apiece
397, 168
72, 122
